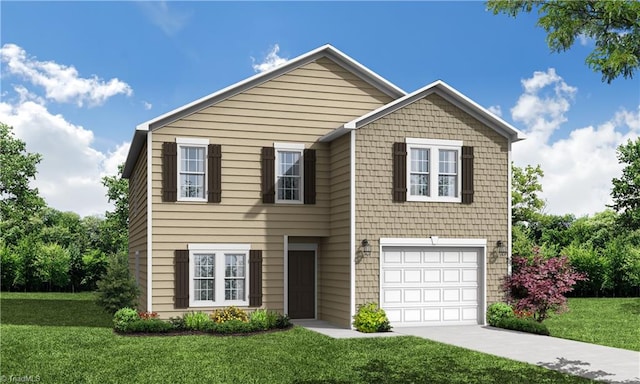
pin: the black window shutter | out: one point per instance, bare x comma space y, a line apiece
399, 172
169, 172
255, 278
309, 176
467, 175
181, 279
268, 175
214, 184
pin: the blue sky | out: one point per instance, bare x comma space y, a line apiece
77, 77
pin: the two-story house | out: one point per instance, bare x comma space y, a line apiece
316, 187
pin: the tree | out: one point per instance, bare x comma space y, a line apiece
525, 185
117, 289
116, 223
613, 25
626, 189
19, 203
538, 285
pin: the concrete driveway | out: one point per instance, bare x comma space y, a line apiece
592, 361
582, 359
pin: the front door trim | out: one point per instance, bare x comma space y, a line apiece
300, 247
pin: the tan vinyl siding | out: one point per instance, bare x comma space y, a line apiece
377, 216
138, 225
300, 106
334, 265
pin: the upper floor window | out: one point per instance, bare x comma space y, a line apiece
192, 169
289, 172
433, 170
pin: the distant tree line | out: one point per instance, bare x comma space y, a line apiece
605, 246
43, 249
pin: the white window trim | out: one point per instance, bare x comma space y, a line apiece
434, 146
192, 142
289, 147
219, 251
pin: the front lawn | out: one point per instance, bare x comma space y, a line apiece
614, 322
79, 352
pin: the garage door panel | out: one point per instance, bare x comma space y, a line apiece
432, 276
392, 276
451, 257
391, 257
412, 276
431, 257
451, 295
432, 295
470, 257
469, 275
469, 295
413, 257
469, 314
422, 286
451, 276
393, 296
412, 295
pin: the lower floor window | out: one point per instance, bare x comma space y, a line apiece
218, 274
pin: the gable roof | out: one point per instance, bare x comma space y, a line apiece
447, 92
327, 50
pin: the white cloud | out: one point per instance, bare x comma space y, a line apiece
540, 109
584, 40
69, 175
170, 21
271, 61
578, 169
496, 110
147, 105
61, 83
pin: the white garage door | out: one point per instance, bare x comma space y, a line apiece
431, 286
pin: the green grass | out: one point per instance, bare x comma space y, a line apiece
80, 353
52, 309
614, 322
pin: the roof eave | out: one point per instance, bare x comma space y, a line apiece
139, 138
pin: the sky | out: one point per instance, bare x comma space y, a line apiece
78, 77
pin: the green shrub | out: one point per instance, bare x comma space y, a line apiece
196, 321
282, 321
370, 318
259, 319
497, 312
117, 289
229, 313
152, 325
123, 318
523, 325
234, 326
177, 323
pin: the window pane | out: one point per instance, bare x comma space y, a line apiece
192, 185
420, 185
420, 160
234, 265
234, 289
448, 161
447, 186
204, 289
204, 265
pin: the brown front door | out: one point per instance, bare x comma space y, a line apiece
302, 284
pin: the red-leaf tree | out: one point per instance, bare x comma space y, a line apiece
538, 285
